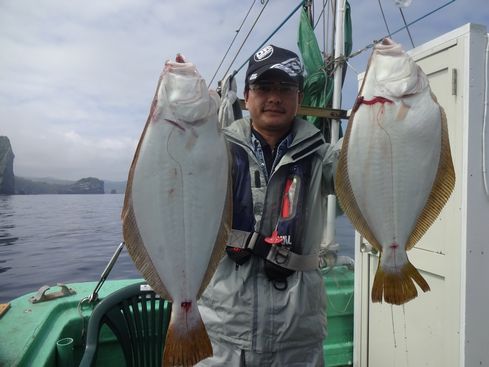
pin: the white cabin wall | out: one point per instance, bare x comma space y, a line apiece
449, 326
476, 330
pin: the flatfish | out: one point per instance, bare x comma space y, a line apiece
177, 207
395, 172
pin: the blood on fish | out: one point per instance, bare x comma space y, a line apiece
394, 246
186, 305
180, 58
377, 99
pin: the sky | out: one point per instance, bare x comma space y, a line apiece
77, 77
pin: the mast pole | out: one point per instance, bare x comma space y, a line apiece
339, 46
339, 51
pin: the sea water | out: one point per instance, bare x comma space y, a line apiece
51, 239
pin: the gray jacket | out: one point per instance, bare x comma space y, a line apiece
240, 305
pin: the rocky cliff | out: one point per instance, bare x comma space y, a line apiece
7, 179
89, 185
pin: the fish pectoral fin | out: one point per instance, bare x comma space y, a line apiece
402, 112
397, 288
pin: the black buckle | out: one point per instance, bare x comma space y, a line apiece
279, 254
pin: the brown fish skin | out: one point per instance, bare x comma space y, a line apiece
187, 341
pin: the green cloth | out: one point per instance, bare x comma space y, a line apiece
318, 85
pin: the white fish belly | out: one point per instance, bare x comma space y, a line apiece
392, 164
179, 189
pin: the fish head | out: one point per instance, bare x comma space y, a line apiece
395, 72
183, 93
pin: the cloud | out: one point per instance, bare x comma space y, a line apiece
77, 78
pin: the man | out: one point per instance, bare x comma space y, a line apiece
265, 305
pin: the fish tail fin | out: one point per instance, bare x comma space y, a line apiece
187, 341
397, 288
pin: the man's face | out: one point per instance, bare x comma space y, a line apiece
272, 103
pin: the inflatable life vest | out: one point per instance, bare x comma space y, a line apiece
281, 249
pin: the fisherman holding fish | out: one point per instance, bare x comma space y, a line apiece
263, 303
266, 304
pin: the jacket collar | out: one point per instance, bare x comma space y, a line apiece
305, 135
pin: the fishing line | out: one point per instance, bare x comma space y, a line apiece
232, 42
356, 53
325, 3
407, 28
405, 335
424, 16
268, 38
383, 16
351, 67
393, 327
248, 35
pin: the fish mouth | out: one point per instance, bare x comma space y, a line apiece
389, 47
387, 41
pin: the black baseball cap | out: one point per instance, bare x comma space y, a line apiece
275, 58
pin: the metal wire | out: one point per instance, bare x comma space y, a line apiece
325, 3
232, 42
422, 17
246, 38
383, 16
356, 53
271, 35
407, 28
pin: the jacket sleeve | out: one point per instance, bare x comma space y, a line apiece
330, 163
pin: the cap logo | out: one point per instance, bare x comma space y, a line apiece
264, 53
291, 66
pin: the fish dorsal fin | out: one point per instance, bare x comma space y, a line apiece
345, 193
442, 188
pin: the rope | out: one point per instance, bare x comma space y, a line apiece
232, 42
246, 38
